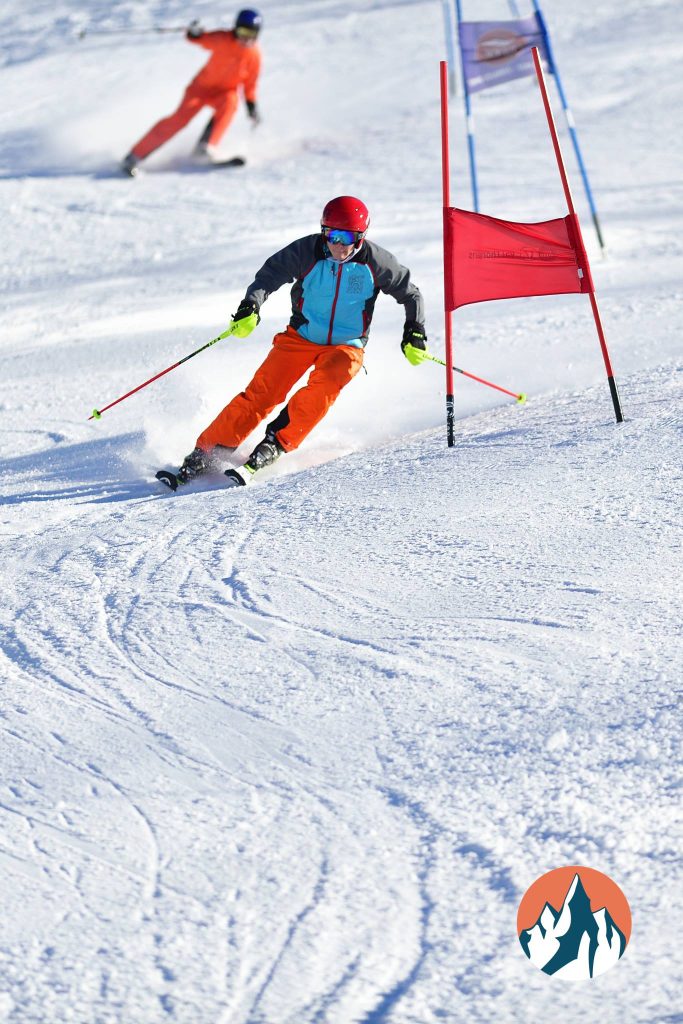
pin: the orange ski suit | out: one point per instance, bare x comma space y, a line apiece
232, 65
291, 355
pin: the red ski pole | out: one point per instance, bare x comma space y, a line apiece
521, 397
97, 413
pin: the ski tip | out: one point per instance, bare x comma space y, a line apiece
170, 479
234, 478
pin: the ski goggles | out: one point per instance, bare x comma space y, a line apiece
244, 32
340, 236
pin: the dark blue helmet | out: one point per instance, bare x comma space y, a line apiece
249, 18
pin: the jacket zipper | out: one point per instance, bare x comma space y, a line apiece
334, 303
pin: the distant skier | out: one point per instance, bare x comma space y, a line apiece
337, 277
234, 65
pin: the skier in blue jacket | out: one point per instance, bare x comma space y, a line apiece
337, 275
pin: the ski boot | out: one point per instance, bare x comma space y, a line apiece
196, 464
202, 147
200, 461
264, 454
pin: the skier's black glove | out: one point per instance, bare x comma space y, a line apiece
245, 319
194, 30
253, 113
414, 344
245, 309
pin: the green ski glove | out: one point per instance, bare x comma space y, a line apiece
415, 356
414, 344
245, 319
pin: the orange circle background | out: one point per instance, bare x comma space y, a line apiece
552, 888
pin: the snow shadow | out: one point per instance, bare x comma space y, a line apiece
26, 154
92, 471
24, 157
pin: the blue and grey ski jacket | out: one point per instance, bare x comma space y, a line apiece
333, 302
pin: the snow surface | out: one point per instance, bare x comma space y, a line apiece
293, 755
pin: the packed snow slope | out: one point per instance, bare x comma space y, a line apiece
293, 755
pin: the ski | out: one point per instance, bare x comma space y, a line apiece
233, 478
237, 477
130, 168
168, 478
198, 464
233, 161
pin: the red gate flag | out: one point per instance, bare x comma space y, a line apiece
487, 258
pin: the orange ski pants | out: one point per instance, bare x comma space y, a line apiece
333, 366
223, 103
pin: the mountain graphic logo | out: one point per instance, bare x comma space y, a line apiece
574, 923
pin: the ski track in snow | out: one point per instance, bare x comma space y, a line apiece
292, 755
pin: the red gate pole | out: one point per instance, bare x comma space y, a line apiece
446, 175
582, 256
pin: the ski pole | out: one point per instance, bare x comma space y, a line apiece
521, 397
97, 413
127, 31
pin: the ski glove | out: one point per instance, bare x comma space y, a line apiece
253, 113
245, 319
194, 30
414, 344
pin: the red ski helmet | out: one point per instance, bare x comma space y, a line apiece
346, 212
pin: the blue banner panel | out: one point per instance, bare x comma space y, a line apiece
498, 51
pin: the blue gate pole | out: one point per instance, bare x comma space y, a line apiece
570, 120
449, 30
514, 9
470, 120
